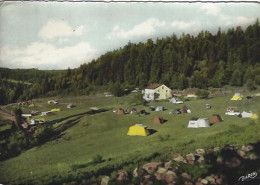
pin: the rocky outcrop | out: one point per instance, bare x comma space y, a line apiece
152, 167
186, 176
138, 172
105, 180
212, 179
122, 175
178, 157
225, 160
247, 148
168, 165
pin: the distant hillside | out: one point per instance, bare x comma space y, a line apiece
17, 84
27, 75
227, 58
230, 57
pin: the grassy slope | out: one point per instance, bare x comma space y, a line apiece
105, 134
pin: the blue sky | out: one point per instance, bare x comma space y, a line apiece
55, 35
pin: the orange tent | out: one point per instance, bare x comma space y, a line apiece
120, 111
158, 120
215, 118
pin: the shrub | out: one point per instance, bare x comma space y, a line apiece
116, 89
137, 100
156, 96
18, 118
97, 159
251, 85
203, 94
164, 138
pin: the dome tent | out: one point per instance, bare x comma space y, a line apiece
215, 118
237, 96
245, 114
254, 116
120, 111
138, 130
198, 123
158, 120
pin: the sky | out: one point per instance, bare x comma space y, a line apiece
62, 35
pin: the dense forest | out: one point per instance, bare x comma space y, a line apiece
229, 57
16, 84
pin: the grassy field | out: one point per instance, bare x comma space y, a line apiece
105, 134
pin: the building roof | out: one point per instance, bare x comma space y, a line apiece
153, 86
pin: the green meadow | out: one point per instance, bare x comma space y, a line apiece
71, 155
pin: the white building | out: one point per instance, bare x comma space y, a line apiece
162, 91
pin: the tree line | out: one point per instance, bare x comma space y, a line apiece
229, 57
16, 84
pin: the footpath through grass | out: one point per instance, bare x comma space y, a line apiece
104, 134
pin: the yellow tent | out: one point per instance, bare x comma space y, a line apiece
41, 119
254, 116
55, 110
49, 102
138, 130
236, 97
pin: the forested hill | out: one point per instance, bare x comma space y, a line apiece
229, 57
27, 75
18, 84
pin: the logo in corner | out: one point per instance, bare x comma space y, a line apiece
248, 177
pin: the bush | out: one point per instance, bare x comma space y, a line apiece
97, 159
164, 138
116, 89
18, 117
137, 100
203, 94
135, 181
251, 85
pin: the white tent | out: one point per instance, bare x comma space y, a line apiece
198, 123
69, 106
176, 101
159, 108
245, 114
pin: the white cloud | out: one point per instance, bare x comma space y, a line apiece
145, 28
63, 40
211, 9
185, 25
45, 56
236, 21
58, 28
